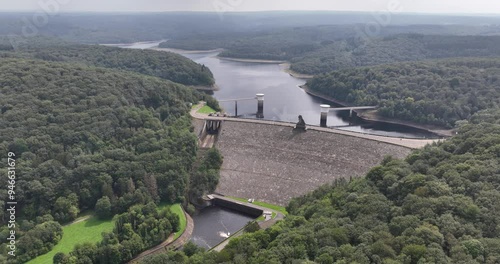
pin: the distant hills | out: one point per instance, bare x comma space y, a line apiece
128, 27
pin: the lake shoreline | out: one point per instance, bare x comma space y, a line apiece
286, 65
185, 51
250, 60
287, 68
373, 117
131, 44
297, 79
212, 88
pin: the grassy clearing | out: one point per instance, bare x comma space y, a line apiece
177, 209
206, 110
86, 231
90, 231
266, 205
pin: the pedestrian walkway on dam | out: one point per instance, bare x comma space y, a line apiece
403, 142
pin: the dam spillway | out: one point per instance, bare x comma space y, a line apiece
273, 164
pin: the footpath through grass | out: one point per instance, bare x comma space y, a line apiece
86, 231
274, 207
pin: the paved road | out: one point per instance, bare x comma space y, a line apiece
170, 243
404, 142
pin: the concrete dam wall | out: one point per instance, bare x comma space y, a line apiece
239, 207
273, 164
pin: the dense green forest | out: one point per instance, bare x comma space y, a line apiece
95, 28
396, 48
430, 92
88, 137
205, 176
106, 131
439, 205
314, 50
166, 65
277, 41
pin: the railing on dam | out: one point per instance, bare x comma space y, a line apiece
327, 108
260, 104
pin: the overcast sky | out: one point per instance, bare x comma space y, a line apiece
421, 6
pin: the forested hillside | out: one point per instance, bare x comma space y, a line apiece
430, 92
315, 50
83, 136
394, 48
439, 205
96, 28
166, 65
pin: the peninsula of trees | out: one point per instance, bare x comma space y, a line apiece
165, 65
438, 92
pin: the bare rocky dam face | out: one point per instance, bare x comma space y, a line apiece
273, 164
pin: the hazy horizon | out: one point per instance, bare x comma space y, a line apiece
457, 7
249, 12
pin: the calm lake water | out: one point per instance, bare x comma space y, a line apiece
212, 225
284, 99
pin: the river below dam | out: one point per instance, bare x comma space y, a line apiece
284, 99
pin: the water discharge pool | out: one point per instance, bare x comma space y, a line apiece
214, 224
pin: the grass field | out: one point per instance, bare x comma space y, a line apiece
90, 231
86, 231
206, 110
177, 209
266, 205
